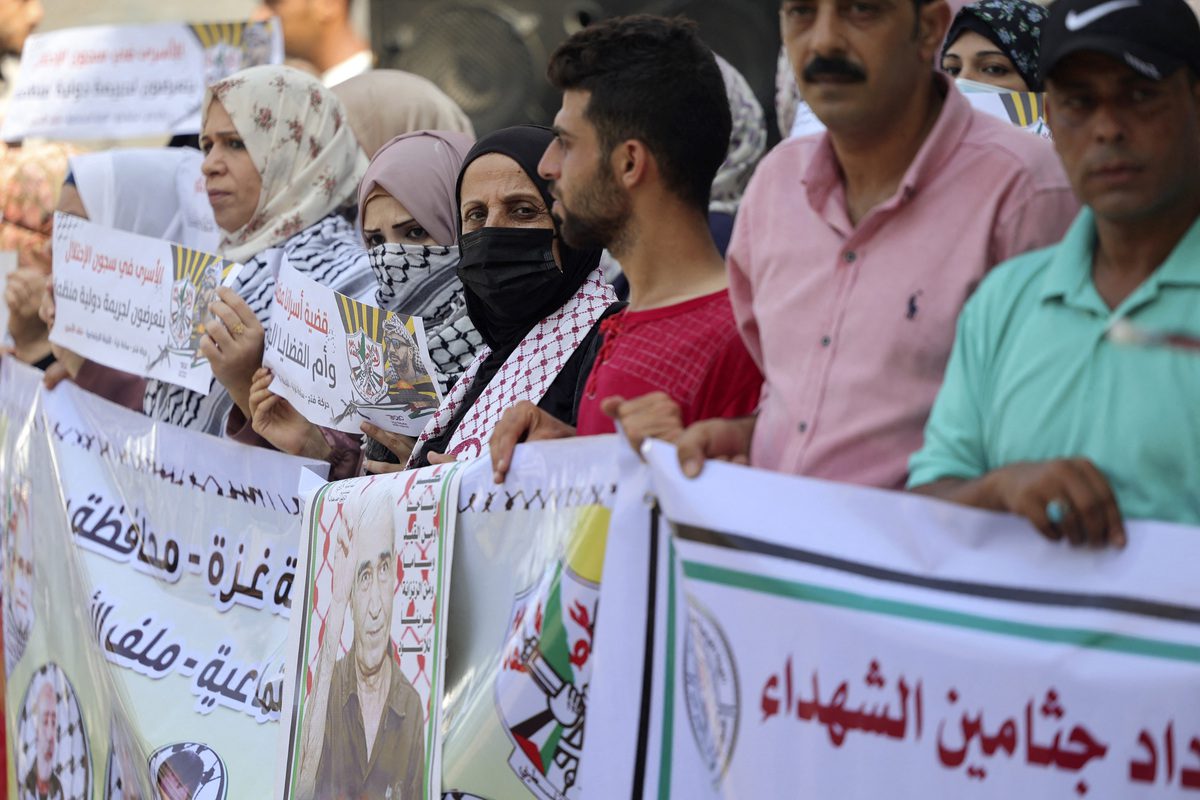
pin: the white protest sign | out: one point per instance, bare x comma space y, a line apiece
134, 303
132, 80
339, 361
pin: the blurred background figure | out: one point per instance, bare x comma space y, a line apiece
321, 33
385, 103
30, 181
995, 42
18, 18
747, 144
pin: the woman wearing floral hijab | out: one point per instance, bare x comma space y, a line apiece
280, 162
996, 42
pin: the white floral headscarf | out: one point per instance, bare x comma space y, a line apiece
299, 138
747, 143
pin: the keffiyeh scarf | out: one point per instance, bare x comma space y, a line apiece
525, 375
420, 281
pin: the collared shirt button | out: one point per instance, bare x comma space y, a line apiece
803, 427
850, 256
826, 341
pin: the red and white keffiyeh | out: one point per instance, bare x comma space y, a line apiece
525, 375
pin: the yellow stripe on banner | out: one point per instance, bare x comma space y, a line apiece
210, 34
190, 265
361, 317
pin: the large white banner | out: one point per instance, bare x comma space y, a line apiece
595, 627
149, 576
134, 303
818, 640
129, 81
339, 361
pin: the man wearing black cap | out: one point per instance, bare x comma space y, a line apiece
1047, 410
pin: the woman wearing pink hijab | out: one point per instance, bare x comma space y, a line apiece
408, 220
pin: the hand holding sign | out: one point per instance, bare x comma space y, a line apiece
233, 344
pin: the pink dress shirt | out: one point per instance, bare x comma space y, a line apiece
852, 326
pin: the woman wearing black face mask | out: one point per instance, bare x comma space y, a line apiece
536, 302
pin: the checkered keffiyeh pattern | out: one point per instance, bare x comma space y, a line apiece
72, 759
415, 497
527, 373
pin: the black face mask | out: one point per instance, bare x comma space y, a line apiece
512, 281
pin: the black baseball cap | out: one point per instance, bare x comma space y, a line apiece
1153, 37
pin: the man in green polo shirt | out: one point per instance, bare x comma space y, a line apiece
1042, 413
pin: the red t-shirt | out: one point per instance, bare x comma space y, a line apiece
691, 351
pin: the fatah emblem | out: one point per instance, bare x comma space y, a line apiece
183, 304
196, 278
541, 692
366, 366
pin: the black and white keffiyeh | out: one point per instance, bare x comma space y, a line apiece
420, 281
331, 253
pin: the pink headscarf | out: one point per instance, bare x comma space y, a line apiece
420, 170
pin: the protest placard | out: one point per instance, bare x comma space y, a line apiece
128, 81
134, 303
149, 576
369, 646
340, 361
768, 636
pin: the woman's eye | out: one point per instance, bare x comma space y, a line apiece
996, 70
416, 234
237, 144
206, 147
952, 71
375, 240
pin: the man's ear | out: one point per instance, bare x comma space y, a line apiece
632, 164
933, 21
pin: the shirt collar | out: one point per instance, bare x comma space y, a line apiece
353, 66
1069, 276
394, 697
824, 174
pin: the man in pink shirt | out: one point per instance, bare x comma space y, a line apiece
854, 250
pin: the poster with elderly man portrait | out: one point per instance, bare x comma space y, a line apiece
363, 713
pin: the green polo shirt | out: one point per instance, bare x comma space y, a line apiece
1033, 377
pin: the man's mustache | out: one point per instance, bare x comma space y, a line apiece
832, 67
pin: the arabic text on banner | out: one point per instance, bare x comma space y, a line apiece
134, 303
339, 361
802, 629
148, 578
129, 81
